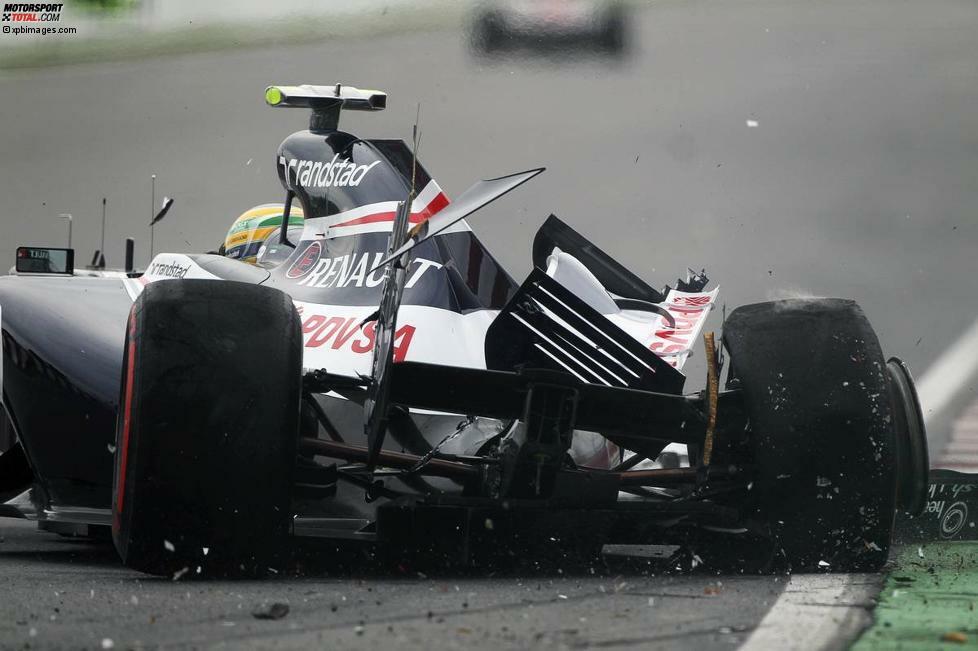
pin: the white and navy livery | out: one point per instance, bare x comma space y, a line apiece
390, 355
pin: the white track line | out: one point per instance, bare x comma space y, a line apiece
938, 389
817, 612
961, 451
949, 373
828, 611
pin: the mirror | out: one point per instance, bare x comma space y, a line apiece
44, 260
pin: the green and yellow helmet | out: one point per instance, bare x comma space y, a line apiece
254, 227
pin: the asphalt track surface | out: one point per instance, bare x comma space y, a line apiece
859, 180
66, 593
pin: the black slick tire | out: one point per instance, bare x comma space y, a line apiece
817, 392
207, 429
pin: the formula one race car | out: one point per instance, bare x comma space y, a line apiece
565, 25
382, 379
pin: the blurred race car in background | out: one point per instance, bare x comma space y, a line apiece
565, 25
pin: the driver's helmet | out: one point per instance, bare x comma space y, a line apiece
250, 231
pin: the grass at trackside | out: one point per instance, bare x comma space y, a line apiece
294, 31
929, 601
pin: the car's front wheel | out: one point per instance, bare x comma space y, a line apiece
207, 429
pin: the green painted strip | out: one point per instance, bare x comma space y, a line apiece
931, 595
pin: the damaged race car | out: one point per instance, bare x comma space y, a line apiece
366, 371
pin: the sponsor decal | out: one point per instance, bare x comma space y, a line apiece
345, 333
304, 263
172, 270
351, 270
954, 519
944, 503
690, 310
692, 301
337, 173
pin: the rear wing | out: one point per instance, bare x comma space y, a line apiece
326, 102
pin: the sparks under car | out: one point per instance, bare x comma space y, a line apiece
375, 375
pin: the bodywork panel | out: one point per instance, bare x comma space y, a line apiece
63, 337
62, 354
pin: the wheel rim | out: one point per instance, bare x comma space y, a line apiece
911, 439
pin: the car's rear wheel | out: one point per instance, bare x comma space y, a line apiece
207, 429
913, 460
823, 440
